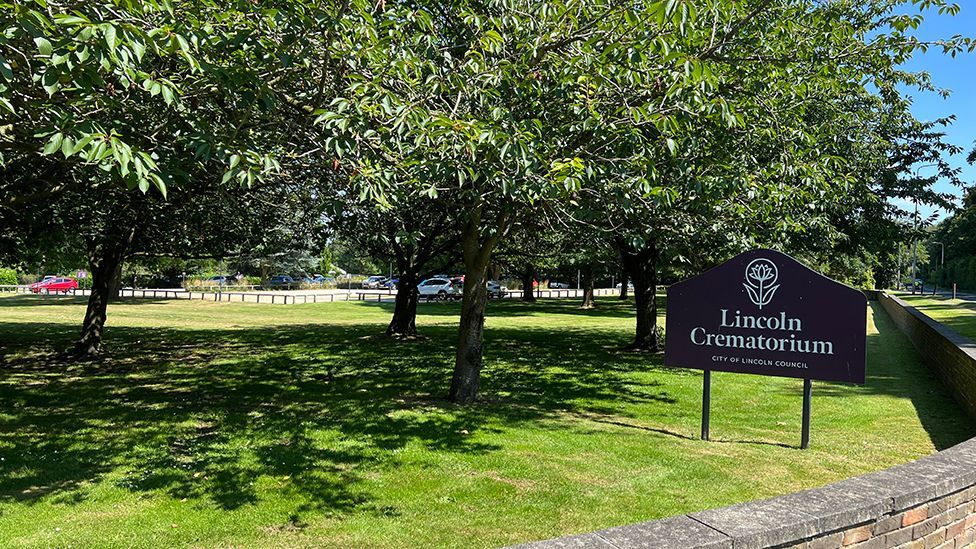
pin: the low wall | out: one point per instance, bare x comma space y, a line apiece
951, 356
928, 503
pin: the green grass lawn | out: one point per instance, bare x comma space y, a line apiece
958, 314
218, 424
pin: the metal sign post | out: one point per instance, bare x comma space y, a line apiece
706, 403
807, 396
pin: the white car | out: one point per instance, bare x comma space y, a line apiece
558, 285
439, 288
495, 289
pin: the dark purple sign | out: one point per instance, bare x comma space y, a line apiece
763, 312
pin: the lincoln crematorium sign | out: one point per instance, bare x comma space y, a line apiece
763, 312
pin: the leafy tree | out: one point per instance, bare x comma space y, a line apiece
810, 90
669, 117
109, 225
418, 235
160, 94
957, 233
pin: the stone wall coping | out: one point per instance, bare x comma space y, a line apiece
793, 518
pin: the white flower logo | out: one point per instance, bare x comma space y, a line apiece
761, 276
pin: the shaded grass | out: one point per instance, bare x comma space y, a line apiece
218, 424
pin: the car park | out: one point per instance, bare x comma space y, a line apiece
438, 288
54, 285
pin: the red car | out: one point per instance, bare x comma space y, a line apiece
54, 284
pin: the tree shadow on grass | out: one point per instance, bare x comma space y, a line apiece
213, 415
25, 300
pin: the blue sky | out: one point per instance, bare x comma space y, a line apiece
956, 74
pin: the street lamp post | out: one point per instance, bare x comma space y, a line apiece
941, 254
915, 232
941, 260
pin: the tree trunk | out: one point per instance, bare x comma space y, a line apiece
115, 283
624, 282
404, 321
641, 266
105, 263
470, 350
468, 360
588, 290
528, 276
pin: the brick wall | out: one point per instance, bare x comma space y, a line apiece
948, 522
925, 504
951, 356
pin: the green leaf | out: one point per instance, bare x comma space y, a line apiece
43, 45
50, 82
5, 70
139, 49
67, 147
110, 37
84, 142
68, 20
53, 144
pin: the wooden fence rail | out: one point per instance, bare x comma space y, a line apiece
292, 299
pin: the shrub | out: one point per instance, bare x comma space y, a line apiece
8, 277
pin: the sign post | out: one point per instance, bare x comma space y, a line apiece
807, 397
764, 313
706, 402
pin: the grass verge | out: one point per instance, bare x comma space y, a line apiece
218, 424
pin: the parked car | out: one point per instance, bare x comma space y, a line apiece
221, 280
630, 285
558, 285
318, 279
281, 280
390, 283
438, 288
374, 282
54, 285
496, 290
